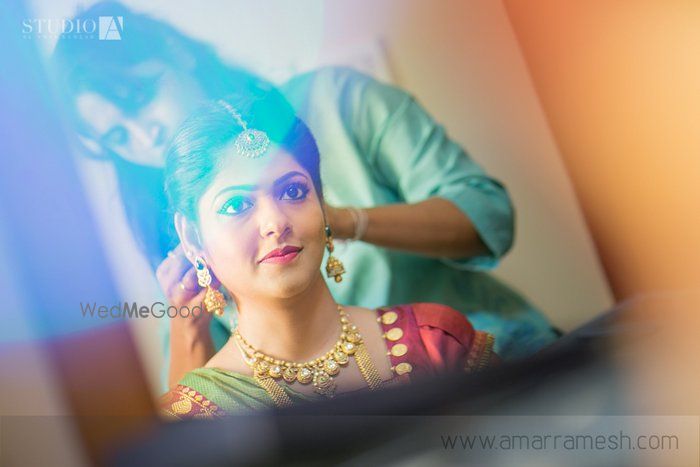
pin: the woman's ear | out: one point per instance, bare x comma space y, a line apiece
189, 236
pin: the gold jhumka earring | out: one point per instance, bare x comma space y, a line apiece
214, 301
334, 268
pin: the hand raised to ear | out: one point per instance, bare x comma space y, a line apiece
178, 280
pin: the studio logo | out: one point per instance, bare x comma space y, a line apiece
104, 28
111, 28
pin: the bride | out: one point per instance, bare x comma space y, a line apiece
243, 180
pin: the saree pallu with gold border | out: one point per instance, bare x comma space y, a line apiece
422, 340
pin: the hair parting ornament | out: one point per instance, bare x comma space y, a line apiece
250, 143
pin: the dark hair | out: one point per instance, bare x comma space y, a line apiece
104, 67
196, 150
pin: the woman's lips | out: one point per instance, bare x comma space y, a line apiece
285, 256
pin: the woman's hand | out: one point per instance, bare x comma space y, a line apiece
178, 280
341, 222
434, 227
190, 343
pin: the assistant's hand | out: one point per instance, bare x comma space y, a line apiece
340, 220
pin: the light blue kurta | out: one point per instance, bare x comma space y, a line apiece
379, 146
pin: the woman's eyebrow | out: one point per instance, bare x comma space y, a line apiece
235, 188
287, 176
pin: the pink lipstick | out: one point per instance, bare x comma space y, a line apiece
281, 255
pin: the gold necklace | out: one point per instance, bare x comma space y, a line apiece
320, 371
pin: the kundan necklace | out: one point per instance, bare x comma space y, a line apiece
267, 370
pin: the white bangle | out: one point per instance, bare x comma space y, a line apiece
360, 219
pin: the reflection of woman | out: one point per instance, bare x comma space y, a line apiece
430, 219
243, 179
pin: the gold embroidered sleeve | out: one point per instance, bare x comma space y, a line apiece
184, 402
481, 353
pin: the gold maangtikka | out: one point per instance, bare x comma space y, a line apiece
250, 142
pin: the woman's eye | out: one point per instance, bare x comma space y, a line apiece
116, 136
235, 206
295, 191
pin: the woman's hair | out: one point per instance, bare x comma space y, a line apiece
105, 67
196, 152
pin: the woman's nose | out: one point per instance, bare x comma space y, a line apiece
273, 222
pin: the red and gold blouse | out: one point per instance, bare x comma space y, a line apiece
422, 340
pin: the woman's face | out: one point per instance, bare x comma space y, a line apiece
140, 135
261, 225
